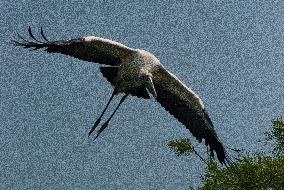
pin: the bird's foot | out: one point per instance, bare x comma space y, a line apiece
95, 126
101, 129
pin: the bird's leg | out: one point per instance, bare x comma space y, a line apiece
100, 117
106, 123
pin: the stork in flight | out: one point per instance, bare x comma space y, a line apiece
138, 73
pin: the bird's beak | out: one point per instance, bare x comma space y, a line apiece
150, 87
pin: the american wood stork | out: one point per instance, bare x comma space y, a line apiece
138, 73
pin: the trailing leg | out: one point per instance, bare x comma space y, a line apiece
107, 122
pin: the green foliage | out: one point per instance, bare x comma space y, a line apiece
181, 146
184, 147
250, 172
277, 134
256, 171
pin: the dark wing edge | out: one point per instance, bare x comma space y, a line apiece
199, 124
77, 48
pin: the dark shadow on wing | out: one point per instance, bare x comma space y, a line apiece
140, 92
110, 73
199, 124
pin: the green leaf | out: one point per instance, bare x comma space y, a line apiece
277, 134
181, 146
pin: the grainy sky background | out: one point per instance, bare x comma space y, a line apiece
229, 52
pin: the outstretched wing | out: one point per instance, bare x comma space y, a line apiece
187, 107
91, 48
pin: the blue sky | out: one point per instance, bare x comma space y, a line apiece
229, 52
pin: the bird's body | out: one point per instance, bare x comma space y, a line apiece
133, 68
139, 73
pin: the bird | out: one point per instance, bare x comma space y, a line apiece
139, 73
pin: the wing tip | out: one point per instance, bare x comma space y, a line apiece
36, 44
221, 153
